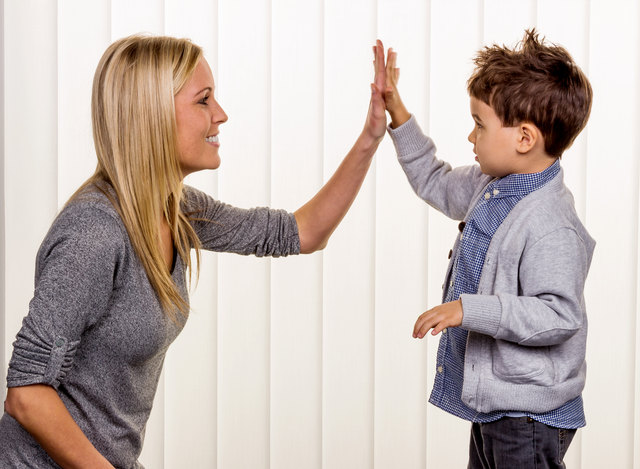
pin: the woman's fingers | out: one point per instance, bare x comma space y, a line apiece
379, 64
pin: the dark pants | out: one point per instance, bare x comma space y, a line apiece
518, 443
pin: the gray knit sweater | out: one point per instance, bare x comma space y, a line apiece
95, 330
527, 324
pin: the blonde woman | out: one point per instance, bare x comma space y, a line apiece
110, 293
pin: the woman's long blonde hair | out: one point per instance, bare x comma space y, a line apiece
134, 132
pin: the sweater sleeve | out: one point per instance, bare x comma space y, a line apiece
549, 307
258, 231
75, 270
449, 190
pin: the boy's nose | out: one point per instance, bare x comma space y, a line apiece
471, 137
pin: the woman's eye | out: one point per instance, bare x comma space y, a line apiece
204, 100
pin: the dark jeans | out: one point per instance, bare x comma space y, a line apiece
518, 443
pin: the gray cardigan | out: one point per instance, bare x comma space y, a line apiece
527, 324
95, 330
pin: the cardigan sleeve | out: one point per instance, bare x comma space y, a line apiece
449, 190
75, 271
258, 231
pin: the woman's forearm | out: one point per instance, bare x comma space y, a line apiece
41, 412
318, 218
321, 215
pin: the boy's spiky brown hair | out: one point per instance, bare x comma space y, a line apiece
534, 82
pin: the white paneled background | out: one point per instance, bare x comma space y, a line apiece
308, 362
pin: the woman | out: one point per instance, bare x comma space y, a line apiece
111, 291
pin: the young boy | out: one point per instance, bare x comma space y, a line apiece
511, 357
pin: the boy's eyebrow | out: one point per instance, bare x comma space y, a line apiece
476, 117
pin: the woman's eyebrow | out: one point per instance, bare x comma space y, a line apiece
203, 89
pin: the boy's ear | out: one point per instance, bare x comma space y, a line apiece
527, 137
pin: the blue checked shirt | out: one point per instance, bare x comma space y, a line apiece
491, 209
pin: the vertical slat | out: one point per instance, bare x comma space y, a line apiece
611, 296
636, 425
77, 61
636, 410
401, 259
505, 21
136, 16
130, 17
243, 302
296, 283
348, 300
451, 66
567, 24
3, 306
30, 188
191, 364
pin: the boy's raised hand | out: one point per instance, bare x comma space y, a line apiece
395, 106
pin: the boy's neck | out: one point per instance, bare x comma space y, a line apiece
536, 165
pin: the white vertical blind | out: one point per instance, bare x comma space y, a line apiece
612, 161
244, 284
308, 362
400, 362
2, 210
296, 121
348, 273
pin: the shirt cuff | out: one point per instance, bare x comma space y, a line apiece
36, 360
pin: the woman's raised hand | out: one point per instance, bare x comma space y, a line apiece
376, 124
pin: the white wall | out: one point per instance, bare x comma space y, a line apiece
308, 362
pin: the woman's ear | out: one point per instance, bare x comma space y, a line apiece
527, 137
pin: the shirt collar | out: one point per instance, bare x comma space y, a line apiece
524, 184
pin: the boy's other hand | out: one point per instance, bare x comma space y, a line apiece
395, 106
438, 318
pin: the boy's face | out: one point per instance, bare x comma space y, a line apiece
493, 144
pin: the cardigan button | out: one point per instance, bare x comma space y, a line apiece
450, 253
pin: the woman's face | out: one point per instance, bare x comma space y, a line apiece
198, 116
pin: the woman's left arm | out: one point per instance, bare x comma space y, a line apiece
318, 218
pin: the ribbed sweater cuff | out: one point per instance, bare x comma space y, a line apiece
408, 138
481, 313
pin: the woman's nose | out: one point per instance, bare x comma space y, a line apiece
219, 116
